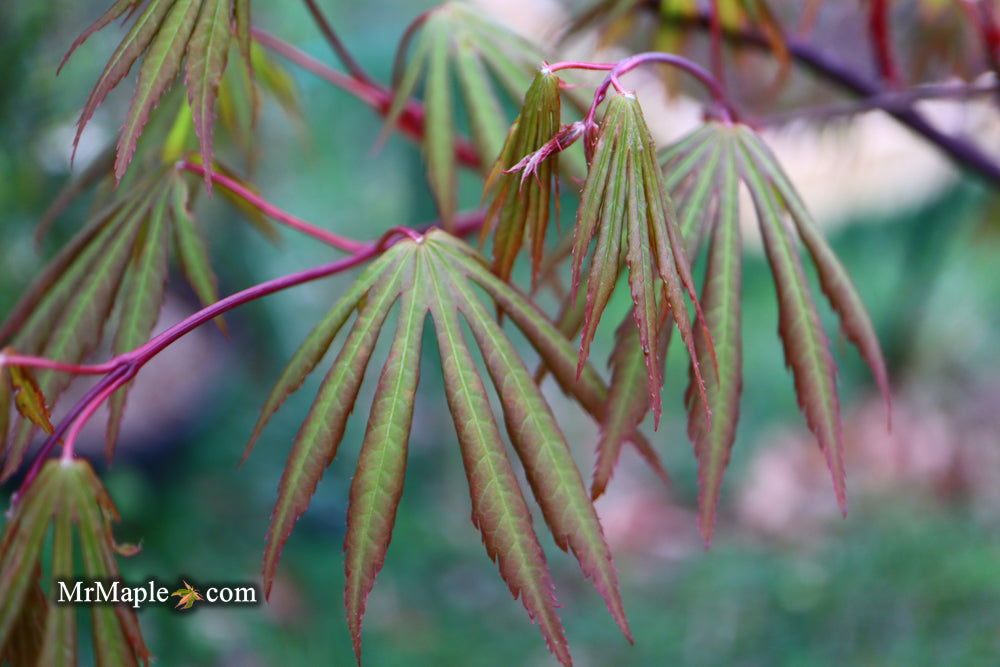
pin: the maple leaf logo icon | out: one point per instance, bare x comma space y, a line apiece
188, 596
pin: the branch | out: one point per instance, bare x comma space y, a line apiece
963, 153
411, 120
889, 101
348, 61
270, 210
124, 367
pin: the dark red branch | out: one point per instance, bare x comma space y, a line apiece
963, 153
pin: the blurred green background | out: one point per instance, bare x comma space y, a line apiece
912, 576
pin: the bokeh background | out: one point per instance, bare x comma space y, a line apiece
912, 576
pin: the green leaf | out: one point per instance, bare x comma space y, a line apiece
378, 482
543, 450
625, 197
721, 302
111, 645
51, 280
206, 62
128, 51
312, 350
694, 211
320, 435
498, 506
627, 403
453, 37
142, 298
807, 350
557, 352
641, 280
59, 644
69, 322
192, 251
115, 11
521, 202
485, 114
159, 68
439, 135
608, 253
21, 546
834, 280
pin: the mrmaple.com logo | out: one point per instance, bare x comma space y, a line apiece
118, 592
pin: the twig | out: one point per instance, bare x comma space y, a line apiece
270, 210
888, 101
350, 64
124, 367
960, 151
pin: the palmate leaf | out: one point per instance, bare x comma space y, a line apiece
721, 301
705, 171
436, 275
628, 401
807, 349
63, 496
455, 41
626, 207
116, 268
206, 62
561, 358
628, 404
162, 34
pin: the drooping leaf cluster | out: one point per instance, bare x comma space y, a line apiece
440, 276
66, 499
624, 205
636, 216
115, 269
454, 40
705, 171
626, 208
165, 33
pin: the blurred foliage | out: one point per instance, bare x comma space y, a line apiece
905, 580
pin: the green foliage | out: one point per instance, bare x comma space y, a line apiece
520, 204
650, 214
163, 33
704, 170
436, 275
66, 498
625, 206
454, 39
116, 265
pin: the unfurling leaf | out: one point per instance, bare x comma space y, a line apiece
454, 36
521, 202
626, 207
437, 275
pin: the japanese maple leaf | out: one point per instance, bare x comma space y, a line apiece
188, 596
